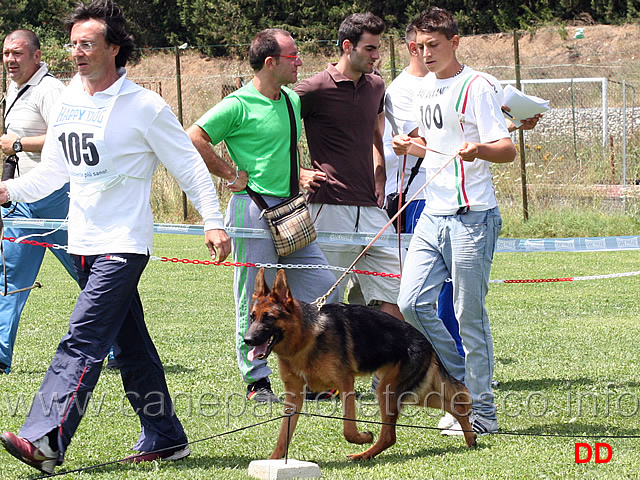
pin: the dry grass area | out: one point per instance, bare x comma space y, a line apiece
602, 45
606, 51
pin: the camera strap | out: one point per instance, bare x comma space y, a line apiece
20, 93
6, 113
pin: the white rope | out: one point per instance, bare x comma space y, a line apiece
610, 275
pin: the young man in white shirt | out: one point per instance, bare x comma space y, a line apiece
459, 117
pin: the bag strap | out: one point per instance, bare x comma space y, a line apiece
20, 93
257, 198
293, 154
294, 188
414, 172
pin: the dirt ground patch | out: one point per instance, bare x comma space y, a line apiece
601, 45
549, 53
605, 51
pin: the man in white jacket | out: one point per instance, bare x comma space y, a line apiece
106, 138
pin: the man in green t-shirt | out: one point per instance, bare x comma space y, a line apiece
255, 126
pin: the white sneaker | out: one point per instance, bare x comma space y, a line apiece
453, 430
447, 421
482, 425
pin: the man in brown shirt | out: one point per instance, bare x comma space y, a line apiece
342, 108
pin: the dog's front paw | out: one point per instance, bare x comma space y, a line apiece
368, 437
359, 438
360, 457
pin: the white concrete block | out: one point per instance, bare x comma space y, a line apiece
279, 470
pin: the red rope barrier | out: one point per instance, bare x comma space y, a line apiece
206, 262
31, 242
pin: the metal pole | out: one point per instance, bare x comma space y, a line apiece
392, 58
178, 84
573, 123
633, 107
605, 111
179, 92
624, 144
523, 160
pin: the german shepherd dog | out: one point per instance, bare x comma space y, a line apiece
326, 349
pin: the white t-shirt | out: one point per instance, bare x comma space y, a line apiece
29, 115
391, 160
466, 107
399, 100
108, 146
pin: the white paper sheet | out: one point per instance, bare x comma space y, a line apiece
522, 106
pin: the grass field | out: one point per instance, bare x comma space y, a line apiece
566, 358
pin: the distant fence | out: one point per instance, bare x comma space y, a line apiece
589, 140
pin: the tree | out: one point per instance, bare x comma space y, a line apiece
227, 26
154, 23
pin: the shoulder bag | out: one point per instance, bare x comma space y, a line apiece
289, 222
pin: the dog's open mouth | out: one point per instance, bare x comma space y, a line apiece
262, 351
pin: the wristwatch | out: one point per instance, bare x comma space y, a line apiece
17, 145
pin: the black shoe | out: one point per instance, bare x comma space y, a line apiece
112, 363
164, 454
318, 396
260, 391
4, 368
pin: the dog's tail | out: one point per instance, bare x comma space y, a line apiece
452, 394
436, 387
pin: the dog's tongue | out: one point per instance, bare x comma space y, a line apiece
257, 351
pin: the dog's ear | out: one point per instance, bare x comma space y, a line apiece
281, 286
261, 288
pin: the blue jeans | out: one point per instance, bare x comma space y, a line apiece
446, 312
23, 262
460, 247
